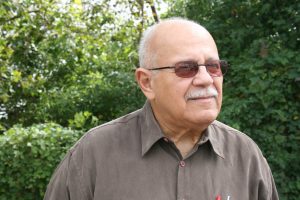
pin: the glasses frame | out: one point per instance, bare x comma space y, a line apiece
224, 65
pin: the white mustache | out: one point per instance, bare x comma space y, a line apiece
202, 93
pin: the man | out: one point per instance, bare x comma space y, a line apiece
173, 148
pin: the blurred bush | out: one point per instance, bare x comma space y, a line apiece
59, 59
29, 156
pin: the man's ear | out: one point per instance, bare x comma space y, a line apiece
143, 78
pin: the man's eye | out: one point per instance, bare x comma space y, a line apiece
212, 65
187, 68
187, 65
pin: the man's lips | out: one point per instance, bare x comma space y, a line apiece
199, 98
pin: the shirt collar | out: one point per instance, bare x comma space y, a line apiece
215, 140
150, 129
151, 132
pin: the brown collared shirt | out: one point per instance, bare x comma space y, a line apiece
129, 158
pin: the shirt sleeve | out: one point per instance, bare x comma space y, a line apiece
261, 176
66, 182
273, 190
57, 188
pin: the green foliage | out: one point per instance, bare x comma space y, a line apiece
261, 90
57, 60
71, 64
67, 63
29, 156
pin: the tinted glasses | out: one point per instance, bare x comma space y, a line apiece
188, 69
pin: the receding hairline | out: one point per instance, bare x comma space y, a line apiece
147, 56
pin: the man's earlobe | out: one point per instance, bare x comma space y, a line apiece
143, 78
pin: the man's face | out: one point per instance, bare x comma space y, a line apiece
171, 102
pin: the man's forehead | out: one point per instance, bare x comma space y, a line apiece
176, 26
178, 31
181, 37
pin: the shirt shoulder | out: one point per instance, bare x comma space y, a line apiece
228, 129
233, 142
114, 139
111, 132
128, 120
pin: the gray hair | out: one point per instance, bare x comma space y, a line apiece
147, 57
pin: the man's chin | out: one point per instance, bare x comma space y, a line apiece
209, 101
204, 116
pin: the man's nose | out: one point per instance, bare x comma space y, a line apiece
202, 77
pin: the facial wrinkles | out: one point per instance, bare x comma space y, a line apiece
202, 93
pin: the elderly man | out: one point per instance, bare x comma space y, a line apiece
173, 148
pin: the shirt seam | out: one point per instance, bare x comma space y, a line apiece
114, 122
236, 132
82, 191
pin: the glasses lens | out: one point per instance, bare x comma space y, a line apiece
216, 67
186, 69
213, 68
224, 66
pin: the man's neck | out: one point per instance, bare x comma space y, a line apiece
183, 137
184, 140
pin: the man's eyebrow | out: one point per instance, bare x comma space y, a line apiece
187, 60
196, 61
211, 58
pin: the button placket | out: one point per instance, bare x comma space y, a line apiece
182, 180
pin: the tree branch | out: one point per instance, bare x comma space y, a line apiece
2, 20
153, 9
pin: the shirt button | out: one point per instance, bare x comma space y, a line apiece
166, 139
182, 163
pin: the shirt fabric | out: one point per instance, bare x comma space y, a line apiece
131, 159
